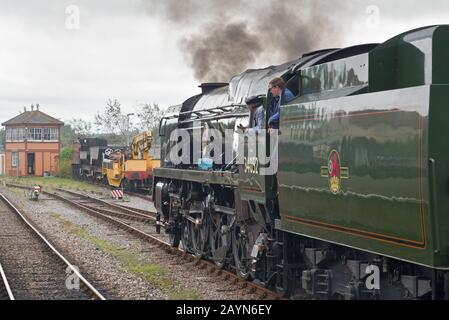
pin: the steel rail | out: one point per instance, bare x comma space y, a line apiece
210, 267
95, 294
149, 220
128, 193
130, 213
111, 205
6, 284
139, 195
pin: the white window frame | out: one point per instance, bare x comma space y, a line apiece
14, 159
52, 134
22, 134
9, 135
33, 133
15, 135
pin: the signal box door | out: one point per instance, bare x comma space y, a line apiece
31, 164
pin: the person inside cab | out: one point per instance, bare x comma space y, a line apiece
255, 106
280, 94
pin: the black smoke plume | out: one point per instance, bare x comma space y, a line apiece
229, 36
221, 52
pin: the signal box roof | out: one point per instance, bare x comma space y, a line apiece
33, 117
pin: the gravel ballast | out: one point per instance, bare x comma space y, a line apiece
118, 264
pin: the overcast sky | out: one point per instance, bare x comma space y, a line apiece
129, 50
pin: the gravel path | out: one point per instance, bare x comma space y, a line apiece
123, 266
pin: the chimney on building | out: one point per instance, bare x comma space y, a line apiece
32, 107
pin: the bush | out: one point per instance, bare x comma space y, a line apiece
65, 163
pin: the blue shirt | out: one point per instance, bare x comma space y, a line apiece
275, 108
258, 120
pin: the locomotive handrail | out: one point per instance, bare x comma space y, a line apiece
217, 117
215, 110
433, 205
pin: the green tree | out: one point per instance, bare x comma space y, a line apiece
81, 128
2, 138
67, 136
65, 163
114, 121
149, 116
74, 129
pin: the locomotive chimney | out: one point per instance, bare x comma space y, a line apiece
32, 107
208, 87
37, 107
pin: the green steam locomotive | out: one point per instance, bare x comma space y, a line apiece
358, 206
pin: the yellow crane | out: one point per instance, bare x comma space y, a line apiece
132, 170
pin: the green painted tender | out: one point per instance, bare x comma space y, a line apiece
393, 157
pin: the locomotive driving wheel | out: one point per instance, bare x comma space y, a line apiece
219, 238
199, 233
186, 236
241, 250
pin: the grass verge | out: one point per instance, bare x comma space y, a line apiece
51, 183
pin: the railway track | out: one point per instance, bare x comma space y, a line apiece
142, 220
140, 223
118, 211
161, 240
34, 269
141, 196
5, 289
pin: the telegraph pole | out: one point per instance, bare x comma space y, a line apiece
128, 133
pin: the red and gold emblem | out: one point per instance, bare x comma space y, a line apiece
334, 172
